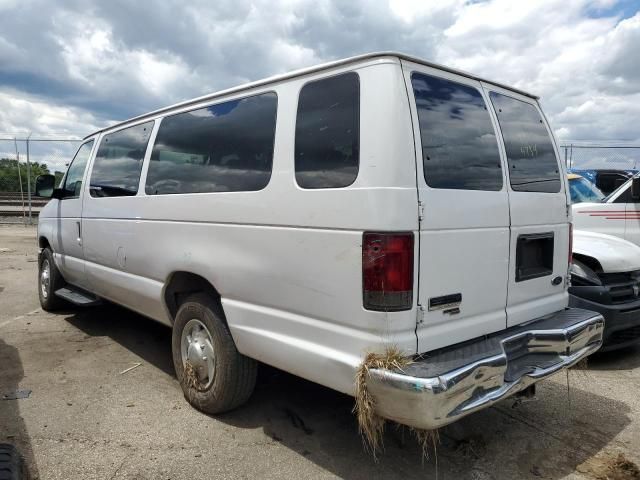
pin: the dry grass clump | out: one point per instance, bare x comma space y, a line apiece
622, 469
370, 424
610, 467
190, 376
427, 439
582, 364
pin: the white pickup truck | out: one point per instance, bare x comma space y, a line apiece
617, 214
605, 277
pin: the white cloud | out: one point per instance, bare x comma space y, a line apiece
71, 69
22, 114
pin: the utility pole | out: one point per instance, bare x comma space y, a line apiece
15, 142
29, 179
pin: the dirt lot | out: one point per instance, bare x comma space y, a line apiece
84, 419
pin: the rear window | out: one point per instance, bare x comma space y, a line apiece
459, 146
533, 166
327, 145
116, 169
226, 147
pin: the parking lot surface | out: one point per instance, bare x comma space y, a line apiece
89, 416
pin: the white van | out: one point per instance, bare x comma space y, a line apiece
617, 214
308, 219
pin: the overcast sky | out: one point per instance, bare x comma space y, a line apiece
69, 67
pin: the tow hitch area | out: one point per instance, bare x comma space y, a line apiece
443, 386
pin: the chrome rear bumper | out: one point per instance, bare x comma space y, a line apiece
443, 386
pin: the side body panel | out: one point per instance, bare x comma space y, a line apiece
608, 218
632, 219
286, 261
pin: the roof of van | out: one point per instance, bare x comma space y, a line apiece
305, 71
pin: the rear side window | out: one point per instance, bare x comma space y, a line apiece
459, 145
226, 147
116, 169
533, 166
624, 197
327, 140
73, 179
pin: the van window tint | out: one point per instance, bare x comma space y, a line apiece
73, 179
226, 147
116, 169
533, 166
459, 145
328, 132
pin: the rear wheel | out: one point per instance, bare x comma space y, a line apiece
49, 280
214, 376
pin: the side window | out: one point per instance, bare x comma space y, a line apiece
116, 169
327, 143
624, 197
533, 166
72, 185
226, 147
459, 145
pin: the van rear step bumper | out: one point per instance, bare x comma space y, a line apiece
443, 386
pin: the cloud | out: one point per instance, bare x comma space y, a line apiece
72, 65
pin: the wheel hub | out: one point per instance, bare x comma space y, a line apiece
45, 276
197, 351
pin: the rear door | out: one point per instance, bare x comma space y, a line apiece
464, 228
539, 240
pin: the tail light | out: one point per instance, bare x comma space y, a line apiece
570, 243
387, 271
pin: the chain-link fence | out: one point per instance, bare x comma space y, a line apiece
22, 159
584, 156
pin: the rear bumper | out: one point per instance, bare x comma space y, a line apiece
622, 321
444, 386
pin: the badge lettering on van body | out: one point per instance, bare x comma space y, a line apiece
529, 150
445, 302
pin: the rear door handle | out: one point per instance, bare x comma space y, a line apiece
79, 233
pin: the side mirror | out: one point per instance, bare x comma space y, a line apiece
45, 184
635, 188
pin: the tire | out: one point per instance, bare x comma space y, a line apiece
47, 286
11, 465
232, 376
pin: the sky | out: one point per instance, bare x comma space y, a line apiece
70, 67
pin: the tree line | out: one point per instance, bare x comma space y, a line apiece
10, 180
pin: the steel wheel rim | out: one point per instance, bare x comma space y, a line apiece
196, 349
45, 278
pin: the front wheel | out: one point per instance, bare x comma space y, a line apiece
214, 376
49, 280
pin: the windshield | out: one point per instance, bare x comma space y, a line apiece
582, 190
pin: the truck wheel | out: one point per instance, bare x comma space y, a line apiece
49, 280
11, 466
214, 376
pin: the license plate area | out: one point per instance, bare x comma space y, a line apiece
534, 256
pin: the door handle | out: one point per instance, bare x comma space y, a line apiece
79, 233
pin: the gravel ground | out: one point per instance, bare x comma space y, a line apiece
84, 419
